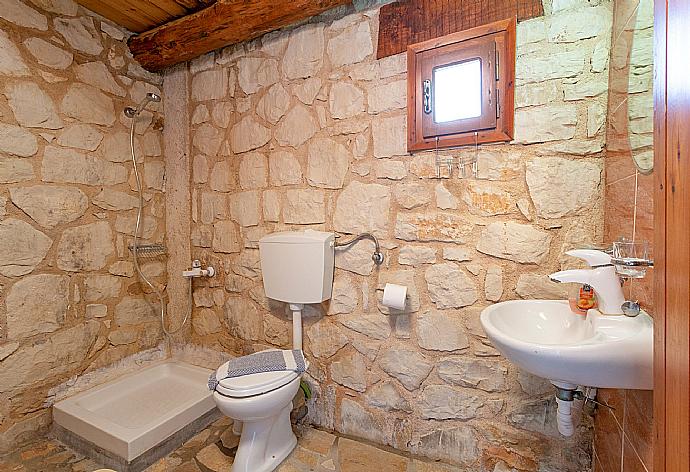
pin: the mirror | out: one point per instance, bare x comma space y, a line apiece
640, 79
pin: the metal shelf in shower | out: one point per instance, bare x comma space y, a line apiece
149, 250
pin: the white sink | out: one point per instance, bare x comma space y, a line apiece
546, 339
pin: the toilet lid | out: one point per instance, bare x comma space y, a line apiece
252, 384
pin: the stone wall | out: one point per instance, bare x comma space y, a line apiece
69, 302
306, 129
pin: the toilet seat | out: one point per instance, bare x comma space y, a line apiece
252, 384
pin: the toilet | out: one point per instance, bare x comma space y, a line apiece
297, 268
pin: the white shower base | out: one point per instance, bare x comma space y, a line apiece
132, 414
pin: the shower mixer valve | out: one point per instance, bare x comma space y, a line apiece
198, 271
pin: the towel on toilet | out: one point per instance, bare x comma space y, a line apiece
266, 361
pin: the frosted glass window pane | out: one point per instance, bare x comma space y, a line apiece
458, 91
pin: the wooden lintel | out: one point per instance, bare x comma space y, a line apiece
221, 24
408, 22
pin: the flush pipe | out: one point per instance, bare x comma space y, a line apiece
296, 309
377, 257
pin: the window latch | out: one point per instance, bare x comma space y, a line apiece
426, 93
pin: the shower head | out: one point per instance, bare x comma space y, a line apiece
150, 97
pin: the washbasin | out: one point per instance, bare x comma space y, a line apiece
545, 338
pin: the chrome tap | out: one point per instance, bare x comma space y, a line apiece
601, 276
197, 271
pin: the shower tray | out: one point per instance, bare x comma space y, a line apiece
135, 419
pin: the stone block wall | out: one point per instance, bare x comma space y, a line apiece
304, 128
69, 301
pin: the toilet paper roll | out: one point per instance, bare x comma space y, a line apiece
394, 296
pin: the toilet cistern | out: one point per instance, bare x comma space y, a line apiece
198, 271
297, 268
601, 276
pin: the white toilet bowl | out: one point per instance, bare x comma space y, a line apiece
262, 403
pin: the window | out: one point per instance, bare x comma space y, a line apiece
461, 88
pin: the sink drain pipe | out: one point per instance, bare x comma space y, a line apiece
570, 400
564, 417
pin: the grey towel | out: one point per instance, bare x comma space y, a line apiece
267, 361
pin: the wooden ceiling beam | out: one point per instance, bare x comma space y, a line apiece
221, 24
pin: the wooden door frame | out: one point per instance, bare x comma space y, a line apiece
660, 8
672, 236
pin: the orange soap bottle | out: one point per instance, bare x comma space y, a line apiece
585, 300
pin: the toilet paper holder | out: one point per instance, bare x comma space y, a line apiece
395, 297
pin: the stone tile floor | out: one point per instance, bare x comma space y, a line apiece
213, 449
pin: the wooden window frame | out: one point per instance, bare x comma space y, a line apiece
503, 34
474, 49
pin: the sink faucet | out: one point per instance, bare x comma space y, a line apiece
601, 276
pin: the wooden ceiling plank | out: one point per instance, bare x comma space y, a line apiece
124, 17
221, 24
194, 5
189, 5
137, 15
171, 8
152, 11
